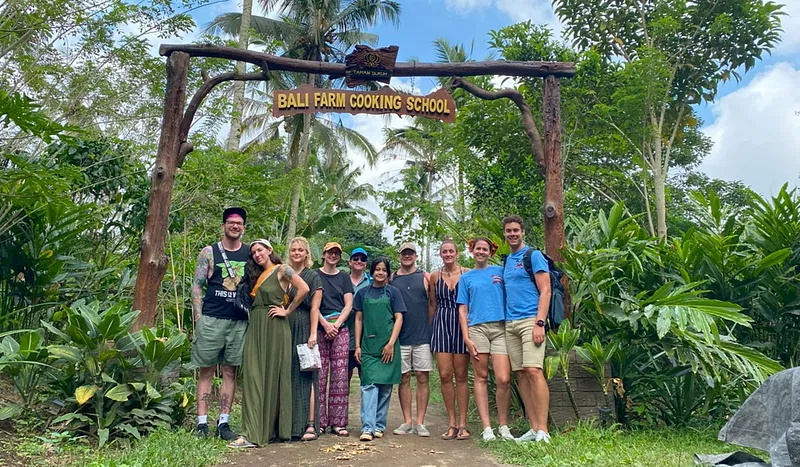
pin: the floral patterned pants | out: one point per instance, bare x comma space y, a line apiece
334, 398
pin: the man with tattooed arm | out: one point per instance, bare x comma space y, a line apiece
218, 326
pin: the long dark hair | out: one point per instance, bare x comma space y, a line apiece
379, 260
253, 270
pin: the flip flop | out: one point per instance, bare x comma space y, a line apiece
447, 435
240, 443
461, 436
340, 431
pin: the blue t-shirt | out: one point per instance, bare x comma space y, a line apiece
482, 291
522, 297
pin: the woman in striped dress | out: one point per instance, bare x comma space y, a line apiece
447, 343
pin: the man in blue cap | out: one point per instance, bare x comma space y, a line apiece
360, 279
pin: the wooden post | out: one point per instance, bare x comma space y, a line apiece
153, 262
554, 237
554, 172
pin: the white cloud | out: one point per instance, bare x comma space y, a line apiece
501, 82
756, 132
538, 11
790, 41
467, 5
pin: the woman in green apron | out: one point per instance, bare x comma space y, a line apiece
379, 317
267, 361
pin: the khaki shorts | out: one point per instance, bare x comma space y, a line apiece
218, 341
416, 357
522, 352
489, 337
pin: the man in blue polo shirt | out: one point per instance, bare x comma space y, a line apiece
526, 311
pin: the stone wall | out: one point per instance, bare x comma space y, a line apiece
586, 389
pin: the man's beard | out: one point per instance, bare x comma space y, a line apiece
233, 235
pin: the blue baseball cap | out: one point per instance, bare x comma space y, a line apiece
359, 250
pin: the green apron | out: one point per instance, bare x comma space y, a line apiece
378, 321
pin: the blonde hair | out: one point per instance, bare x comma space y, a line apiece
304, 244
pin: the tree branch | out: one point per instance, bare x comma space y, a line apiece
674, 133
537, 145
276, 63
197, 99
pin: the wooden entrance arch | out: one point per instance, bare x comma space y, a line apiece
173, 145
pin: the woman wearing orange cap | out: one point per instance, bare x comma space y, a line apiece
334, 342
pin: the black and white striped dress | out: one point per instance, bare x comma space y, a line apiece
447, 337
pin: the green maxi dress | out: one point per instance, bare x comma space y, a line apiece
303, 381
267, 369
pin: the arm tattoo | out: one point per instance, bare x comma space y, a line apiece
204, 262
288, 272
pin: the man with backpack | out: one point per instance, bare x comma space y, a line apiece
527, 305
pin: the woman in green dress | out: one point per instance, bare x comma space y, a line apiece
267, 362
379, 317
305, 420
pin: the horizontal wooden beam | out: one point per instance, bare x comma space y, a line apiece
336, 70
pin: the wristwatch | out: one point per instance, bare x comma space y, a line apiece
540, 323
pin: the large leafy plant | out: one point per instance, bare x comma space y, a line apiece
114, 383
663, 310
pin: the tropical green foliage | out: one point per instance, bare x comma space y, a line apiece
679, 322
107, 381
689, 323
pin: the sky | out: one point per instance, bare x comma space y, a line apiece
754, 124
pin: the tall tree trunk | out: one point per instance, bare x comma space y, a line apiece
235, 134
153, 261
554, 172
300, 162
659, 185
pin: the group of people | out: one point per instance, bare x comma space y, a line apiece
385, 324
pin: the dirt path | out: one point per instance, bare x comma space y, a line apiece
392, 450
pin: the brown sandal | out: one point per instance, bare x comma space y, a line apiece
463, 433
451, 433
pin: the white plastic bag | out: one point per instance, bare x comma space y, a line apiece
309, 357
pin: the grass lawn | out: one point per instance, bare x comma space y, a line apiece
586, 445
161, 449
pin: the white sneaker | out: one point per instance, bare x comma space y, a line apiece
542, 436
529, 435
505, 433
488, 434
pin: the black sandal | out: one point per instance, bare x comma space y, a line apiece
340, 431
310, 430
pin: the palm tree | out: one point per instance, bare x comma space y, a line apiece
321, 30
235, 134
426, 161
340, 182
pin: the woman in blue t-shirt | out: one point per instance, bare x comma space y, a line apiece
482, 318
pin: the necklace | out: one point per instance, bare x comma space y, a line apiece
450, 273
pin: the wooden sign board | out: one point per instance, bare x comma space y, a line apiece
366, 64
309, 100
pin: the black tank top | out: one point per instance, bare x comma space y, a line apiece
221, 289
